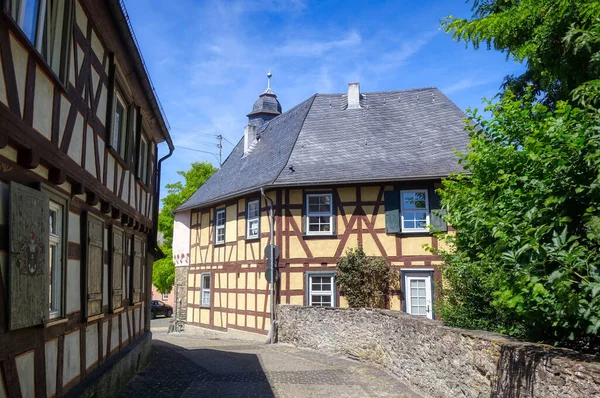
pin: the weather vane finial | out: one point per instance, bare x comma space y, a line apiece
269, 74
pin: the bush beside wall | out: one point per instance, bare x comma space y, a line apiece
442, 361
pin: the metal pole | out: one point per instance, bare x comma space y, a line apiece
220, 138
272, 265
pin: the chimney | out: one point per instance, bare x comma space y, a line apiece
249, 138
354, 96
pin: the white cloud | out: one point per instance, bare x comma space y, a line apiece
406, 50
466, 83
308, 48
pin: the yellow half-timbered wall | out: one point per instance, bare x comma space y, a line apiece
239, 292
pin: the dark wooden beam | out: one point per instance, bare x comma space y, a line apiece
3, 140
105, 207
124, 219
91, 198
57, 176
131, 222
28, 158
77, 188
116, 213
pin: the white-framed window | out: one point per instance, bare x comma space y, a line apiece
56, 267
252, 219
143, 159
321, 289
119, 136
165, 296
205, 290
414, 210
47, 24
220, 226
319, 214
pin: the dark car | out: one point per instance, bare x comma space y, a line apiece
159, 308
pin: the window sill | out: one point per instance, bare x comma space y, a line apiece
94, 317
253, 239
205, 307
308, 236
143, 184
55, 322
117, 156
415, 233
117, 310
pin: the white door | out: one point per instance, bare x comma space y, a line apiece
418, 294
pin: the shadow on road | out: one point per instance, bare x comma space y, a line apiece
175, 371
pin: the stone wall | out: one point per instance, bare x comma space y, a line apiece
438, 360
180, 292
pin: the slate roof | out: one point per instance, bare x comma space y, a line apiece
397, 135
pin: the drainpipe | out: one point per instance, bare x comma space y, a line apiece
157, 252
272, 295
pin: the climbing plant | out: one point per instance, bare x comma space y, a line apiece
366, 282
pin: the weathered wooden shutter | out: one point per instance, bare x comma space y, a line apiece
392, 211
436, 212
94, 265
118, 244
29, 256
137, 266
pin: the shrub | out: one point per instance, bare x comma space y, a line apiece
366, 282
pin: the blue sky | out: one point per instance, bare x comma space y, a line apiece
208, 59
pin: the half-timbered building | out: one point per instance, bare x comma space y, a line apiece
342, 170
79, 129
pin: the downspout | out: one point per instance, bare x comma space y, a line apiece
272, 265
158, 254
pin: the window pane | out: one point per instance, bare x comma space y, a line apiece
30, 20
118, 125
206, 282
414, 200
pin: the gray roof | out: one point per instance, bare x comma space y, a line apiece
397, 135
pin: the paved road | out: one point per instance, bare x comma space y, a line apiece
192, 366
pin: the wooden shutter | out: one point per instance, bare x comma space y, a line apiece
94, 237
436, 212
29, 256
136, 272
117, 254
392, 211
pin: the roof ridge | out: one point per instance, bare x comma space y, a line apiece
298, 135
382, 92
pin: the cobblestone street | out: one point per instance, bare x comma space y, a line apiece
193, 366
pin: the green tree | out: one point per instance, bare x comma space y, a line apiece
366, 282
533, 32
178, 193
163, 273
525, 258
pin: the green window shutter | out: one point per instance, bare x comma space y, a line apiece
392, 211
29, 256
436, 212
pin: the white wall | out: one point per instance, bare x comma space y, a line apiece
181, 239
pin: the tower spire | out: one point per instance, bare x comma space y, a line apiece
268, 90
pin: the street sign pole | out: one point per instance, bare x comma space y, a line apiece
272, 262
